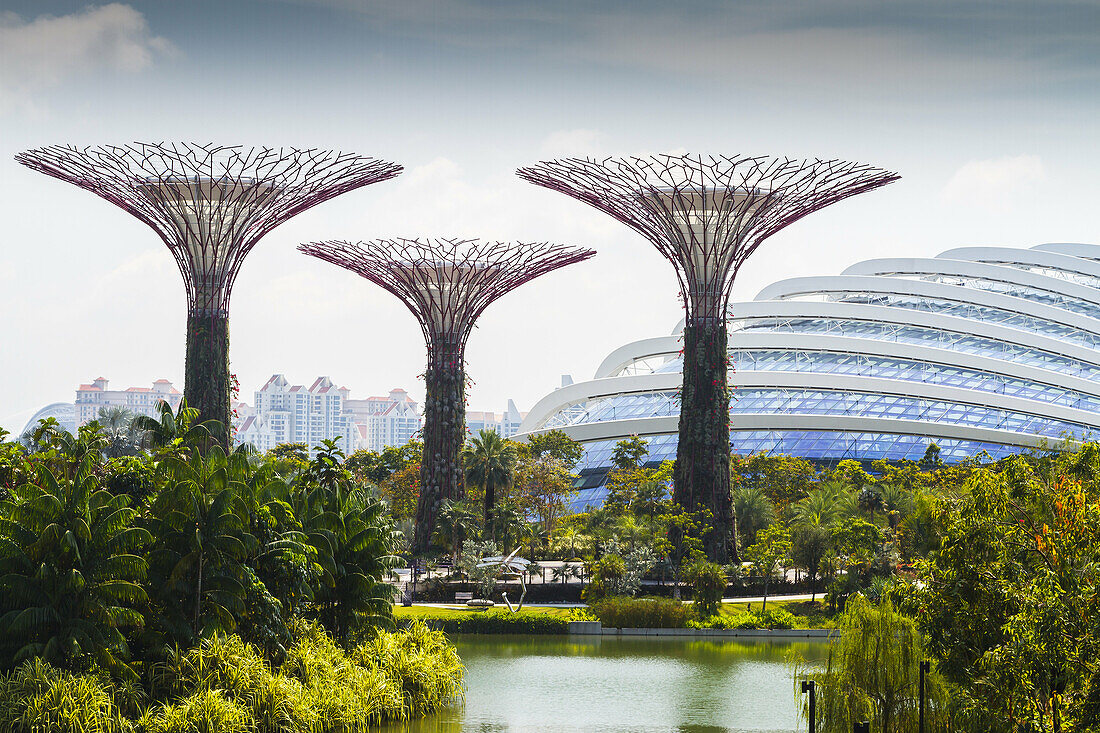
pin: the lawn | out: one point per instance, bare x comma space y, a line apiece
808, 615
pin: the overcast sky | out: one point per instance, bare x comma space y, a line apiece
987, 109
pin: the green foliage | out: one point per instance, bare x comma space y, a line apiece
607, 577
1007, 602
35, 698
629, 453
772, 618
377, 466
753, 510
498, 622
872, 672
490, 463
70, 571
708, 583
554, 444
485, 578
783, 479
226, 686
201, 523
351, 539
621, 612
773, 548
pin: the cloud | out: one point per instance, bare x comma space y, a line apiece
50, 50
995, 184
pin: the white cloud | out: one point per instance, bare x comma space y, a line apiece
995, 184
49, 50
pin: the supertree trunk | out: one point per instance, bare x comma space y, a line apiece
446, 284
206, 372
701, 475
210, 204
441, 475
706, 215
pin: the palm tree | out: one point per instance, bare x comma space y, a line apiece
457, 521
506, 521
117, 423
201, 522
753, 511
822, 507
490, 463
170, 427
353, 540
70, 571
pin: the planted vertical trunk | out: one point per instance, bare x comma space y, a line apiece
206, 372
701, 475
444, 434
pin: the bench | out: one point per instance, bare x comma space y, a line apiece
460, 596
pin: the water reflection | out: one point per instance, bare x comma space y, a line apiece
608, 685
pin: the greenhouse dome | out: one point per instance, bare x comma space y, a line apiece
978, 349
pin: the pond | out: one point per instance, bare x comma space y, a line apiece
555, 684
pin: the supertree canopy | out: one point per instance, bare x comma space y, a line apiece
447, 284
706, 215
210, 204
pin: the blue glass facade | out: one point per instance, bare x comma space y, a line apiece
976, 354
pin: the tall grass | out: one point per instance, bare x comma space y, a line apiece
226, 686
622, 612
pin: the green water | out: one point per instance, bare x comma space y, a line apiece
557, 684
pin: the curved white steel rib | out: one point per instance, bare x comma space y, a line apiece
779, 322
932, 267
620, 429
852, 284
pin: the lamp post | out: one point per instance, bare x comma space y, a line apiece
809, 687
924, 667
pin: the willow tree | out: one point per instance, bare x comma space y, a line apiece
447, 284
210, 204
706, 215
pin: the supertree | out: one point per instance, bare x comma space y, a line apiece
447, 284
210, 204
706, 215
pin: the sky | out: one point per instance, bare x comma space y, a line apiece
989, 111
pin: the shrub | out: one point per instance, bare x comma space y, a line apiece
652, 613
36, 697
499, 622
607, 577
209, 711
225, 686
708, 583
777, 618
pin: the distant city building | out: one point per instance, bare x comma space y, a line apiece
384, 421
285, 413
506, 425
91, 398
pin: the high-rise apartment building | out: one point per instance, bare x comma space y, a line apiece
90, 398
385, 421
285, 413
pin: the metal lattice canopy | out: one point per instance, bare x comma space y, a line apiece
447, 283
209, 203
706, 214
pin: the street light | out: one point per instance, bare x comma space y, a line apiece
924, 667
808, 686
